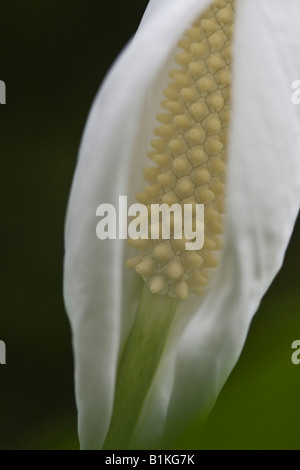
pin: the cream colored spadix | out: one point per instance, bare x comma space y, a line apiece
193, 137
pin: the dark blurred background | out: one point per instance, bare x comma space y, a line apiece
53, 56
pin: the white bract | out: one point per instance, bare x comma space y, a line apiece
263, 193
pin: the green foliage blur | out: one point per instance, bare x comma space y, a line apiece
53, 56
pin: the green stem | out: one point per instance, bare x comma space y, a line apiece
138, 364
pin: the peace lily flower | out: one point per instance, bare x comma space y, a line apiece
142, 377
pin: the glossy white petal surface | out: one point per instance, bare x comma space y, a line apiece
263, 201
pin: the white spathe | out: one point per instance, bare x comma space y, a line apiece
263, 195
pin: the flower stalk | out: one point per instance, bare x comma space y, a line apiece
138, 364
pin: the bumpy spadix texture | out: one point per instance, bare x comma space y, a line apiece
189, 151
